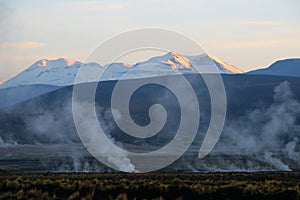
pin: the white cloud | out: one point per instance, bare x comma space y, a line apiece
22, 45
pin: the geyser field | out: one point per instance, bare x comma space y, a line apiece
261, 132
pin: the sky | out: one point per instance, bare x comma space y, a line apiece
249, 34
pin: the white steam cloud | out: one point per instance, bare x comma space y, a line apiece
269, 134
266, 138
115, 157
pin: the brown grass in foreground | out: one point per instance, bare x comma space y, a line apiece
281, 186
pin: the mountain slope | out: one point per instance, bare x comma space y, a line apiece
14, 95
224, 65
210, 60
288, 67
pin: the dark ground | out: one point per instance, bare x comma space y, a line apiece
259, 185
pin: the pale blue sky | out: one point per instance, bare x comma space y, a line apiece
248, 34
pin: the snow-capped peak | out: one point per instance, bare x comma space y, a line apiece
174, 60
49, 72
178, 61
44, 62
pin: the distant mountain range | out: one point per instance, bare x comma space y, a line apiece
62, 72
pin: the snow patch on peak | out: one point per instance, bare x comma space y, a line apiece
60, 62
171, 63
181, 60
43, 63
174, 60
127, 65
70, 62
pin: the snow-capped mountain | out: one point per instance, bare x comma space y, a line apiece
48, 72
62, 72
176, 61
288, 67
